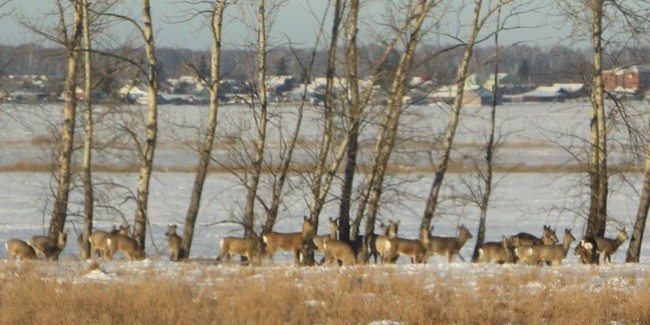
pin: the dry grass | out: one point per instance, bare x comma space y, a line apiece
216, 295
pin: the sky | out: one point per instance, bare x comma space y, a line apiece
297, 20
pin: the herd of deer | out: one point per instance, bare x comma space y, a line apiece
522, 248
386, 247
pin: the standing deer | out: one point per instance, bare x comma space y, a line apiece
19, 249
292, 242
174, 243
416, 249
553, 254
448, 246
251, 248
340, 251
382, 242
49, 247
98, 239
319, 241
501, 252
587, 251
607, 246
548, 238
126, 244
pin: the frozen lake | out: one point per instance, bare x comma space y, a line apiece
533, 135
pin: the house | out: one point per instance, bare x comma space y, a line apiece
545, 94
472, 95
132, 93
572, 90
633, 80
504, 79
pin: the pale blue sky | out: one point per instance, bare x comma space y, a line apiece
296, 20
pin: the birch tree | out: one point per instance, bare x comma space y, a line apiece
89, 195
71, 40
147, 153
216, 23
478, 21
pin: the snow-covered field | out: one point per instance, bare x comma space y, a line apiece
520, 202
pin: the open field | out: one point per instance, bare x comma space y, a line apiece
198, 293
537, 182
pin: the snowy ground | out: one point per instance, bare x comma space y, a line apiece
520, 202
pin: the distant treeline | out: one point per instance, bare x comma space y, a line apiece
532, 64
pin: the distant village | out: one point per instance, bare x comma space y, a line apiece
631, 82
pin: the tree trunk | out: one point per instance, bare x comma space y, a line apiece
386, 140
354, 109
450, 132
598, 173
208, 141
489, 150
251, 197
147, 156
60, 209
88, 140
634, 250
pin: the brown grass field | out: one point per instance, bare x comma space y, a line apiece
200, 293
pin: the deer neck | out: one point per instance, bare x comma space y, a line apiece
618, 242
565, 247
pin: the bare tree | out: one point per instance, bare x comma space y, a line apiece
258, 161
147, 154
86, 167
483, 196
216, 22
71, 39
478, 21
416, 16
634, 250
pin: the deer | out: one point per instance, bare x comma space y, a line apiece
381, 243
98, 239
174, 243
548, 238
416, 249
319, 241
292, 242
553, 254
607, 246
251, 248
340, 251
126, 244
586, 251
49, 247
501, 252
448, 246
19, 249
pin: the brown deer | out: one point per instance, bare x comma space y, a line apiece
292, 242
381, 243
548, 238
448, 246
98, 239
586, 251
251, 248
340, 251
319, 241
126, 244
20, 249
49, 247
553, 254
501, 252
607, 246
174, 243
416, 249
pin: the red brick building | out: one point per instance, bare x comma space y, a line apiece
630, 80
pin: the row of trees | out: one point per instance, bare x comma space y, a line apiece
343, 113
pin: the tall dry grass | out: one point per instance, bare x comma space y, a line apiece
307, 296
